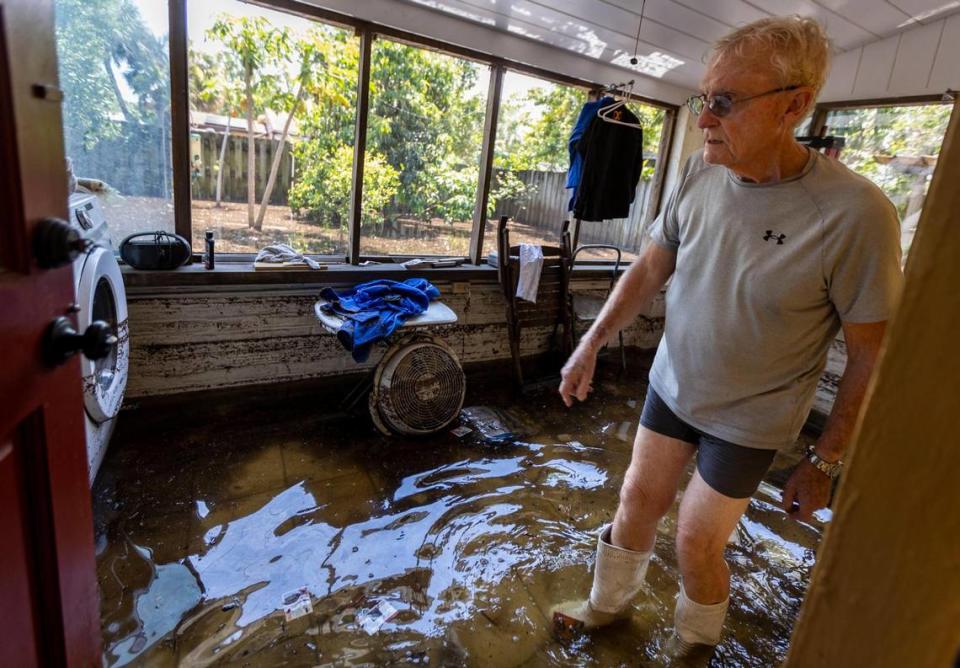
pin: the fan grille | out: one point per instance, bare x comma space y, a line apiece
421, 389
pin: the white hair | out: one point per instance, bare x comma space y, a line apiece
796, 46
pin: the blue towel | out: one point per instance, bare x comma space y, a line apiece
374, 310
587, 114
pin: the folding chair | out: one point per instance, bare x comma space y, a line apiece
586, 307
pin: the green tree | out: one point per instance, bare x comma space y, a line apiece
322, 191
426, 119
103, 43
895, 147
214, 89
261, 52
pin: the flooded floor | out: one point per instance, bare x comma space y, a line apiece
279, 536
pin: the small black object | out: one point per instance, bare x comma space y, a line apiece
208, 260
56, 243
633, 60
62, 341
828, 141
155, 250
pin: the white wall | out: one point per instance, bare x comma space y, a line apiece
450, 29
920, 61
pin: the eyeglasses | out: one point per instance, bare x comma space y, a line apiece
720, 105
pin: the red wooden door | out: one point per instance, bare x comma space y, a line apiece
48, 590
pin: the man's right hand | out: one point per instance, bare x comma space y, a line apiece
576, 377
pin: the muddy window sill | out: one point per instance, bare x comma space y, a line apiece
241, 273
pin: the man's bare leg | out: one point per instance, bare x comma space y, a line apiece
649, 488
623, 551
707, 518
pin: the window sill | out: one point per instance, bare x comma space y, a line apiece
242, 274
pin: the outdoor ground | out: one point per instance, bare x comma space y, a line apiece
127, 215
448, 550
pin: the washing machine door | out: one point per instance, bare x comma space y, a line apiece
101, 296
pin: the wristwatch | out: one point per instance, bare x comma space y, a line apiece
829, 469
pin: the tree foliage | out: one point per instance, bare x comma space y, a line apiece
887, 144
425, 124
105, 50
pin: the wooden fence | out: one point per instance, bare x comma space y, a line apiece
544, 208
204, 156
137, 163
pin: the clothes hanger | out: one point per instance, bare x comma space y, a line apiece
607, 113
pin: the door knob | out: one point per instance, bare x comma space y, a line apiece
62, 341
56, 243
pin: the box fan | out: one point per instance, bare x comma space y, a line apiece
418, 387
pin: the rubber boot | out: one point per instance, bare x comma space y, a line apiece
696, 627
617, 577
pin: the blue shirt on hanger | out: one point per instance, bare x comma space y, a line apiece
587, 114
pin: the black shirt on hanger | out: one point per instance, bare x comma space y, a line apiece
612, 162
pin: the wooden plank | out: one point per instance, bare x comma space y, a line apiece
887, 566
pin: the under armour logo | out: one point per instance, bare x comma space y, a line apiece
770, 235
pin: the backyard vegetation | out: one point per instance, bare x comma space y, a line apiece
273, 102
282, 93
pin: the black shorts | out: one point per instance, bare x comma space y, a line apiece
731, 469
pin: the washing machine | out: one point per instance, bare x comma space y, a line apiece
100, 296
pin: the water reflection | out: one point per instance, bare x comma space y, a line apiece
441, 551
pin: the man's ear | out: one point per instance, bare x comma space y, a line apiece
800, 102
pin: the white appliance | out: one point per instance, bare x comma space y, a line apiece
100, 296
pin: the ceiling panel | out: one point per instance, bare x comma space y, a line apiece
675, 36
877, 16
675, 15
924, 10
731, 12
843, 32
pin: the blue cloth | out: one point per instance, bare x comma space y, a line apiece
374, 310
587, 114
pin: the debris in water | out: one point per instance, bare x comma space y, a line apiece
296, 604
461, 431
371, 620
493, 424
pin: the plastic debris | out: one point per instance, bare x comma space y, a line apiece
371, 620
461, 431
493, 424
296, 604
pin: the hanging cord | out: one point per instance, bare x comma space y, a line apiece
636, 44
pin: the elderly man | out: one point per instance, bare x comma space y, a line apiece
772, 248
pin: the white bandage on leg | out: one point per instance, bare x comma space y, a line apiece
696, 623
618, 575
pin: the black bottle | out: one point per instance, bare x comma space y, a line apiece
208, 255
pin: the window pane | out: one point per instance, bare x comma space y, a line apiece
422, 165
896, 148
273, 95
531, 162
115, 75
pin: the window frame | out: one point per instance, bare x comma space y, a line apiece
819, 119
367, 32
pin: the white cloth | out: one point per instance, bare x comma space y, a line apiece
531, 264
280, 253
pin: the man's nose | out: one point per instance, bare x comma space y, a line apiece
706, 119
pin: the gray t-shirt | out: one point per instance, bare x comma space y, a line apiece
765, 275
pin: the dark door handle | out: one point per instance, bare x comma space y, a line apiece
62, 341
56, 243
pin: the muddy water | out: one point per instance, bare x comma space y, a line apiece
446, 551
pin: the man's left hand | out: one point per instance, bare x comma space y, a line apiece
807, 490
